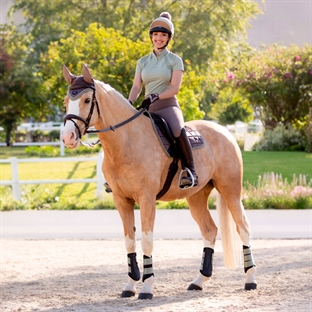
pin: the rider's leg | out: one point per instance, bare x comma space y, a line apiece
174, 117
187, 158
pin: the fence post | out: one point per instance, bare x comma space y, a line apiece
15, 182
99, 174
62, 148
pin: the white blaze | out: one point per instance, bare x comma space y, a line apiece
69, 127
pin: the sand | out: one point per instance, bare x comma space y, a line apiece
88, 275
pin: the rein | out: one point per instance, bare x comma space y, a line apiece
112, 128
71, 117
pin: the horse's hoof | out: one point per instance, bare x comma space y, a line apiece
143, 296
250, 286
127, 294
194, 287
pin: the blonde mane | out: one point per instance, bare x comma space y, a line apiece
112, 92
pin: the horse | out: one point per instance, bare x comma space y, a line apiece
136, 166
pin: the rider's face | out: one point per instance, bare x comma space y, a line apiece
159, 39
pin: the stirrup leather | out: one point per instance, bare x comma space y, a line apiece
190, 175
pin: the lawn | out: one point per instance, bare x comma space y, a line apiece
285, 163
53, 170
255, 164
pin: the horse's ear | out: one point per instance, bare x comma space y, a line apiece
86, 74
69, 77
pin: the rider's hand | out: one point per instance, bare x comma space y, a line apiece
149, 100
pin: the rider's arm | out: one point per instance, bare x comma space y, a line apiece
174, 87
136, 88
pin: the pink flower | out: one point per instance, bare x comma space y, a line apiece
310, 72
301, 191
297, 58
287, 75
252, 75
230, 75
275, 70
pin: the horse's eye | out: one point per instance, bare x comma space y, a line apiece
87, 101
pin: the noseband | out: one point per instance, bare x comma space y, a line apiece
71, 94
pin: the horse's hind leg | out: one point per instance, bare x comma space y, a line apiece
199, 210
126, 211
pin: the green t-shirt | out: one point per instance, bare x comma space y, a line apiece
156, 70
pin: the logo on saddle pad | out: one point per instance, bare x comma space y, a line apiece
166, 138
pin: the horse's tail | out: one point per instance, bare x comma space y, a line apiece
231, 242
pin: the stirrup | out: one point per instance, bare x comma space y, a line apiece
190, 175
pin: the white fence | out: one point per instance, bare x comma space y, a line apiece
44, 126
16, 183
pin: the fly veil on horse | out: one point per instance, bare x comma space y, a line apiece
136, 167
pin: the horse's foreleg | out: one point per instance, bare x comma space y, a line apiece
200, 213
147, 220
125, 209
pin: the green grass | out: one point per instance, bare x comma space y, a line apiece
285, 163
83, 192
66, 196
16, 151
255, 164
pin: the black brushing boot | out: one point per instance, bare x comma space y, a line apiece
187, 159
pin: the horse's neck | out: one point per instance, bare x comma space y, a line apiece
114, 109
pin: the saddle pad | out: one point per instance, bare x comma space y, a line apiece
195, 139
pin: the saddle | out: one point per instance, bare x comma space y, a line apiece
170, 147
166, 138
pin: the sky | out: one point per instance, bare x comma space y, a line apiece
284, 22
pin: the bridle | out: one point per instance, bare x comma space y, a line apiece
86, 121
71, 117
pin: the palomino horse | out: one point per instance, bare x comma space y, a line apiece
136, 167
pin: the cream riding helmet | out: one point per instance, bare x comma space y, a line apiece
162, 24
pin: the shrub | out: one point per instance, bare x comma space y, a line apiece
46, 151
271, 192
274, 192
281, 139
52, 151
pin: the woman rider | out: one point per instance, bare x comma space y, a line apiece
161, 73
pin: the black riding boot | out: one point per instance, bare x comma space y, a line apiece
187, 159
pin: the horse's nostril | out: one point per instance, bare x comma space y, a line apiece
72, 136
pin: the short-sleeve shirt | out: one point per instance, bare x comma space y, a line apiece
156, 70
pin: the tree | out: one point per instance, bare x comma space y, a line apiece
279, 80
231, 106
205, 30
112, 59
19, 85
